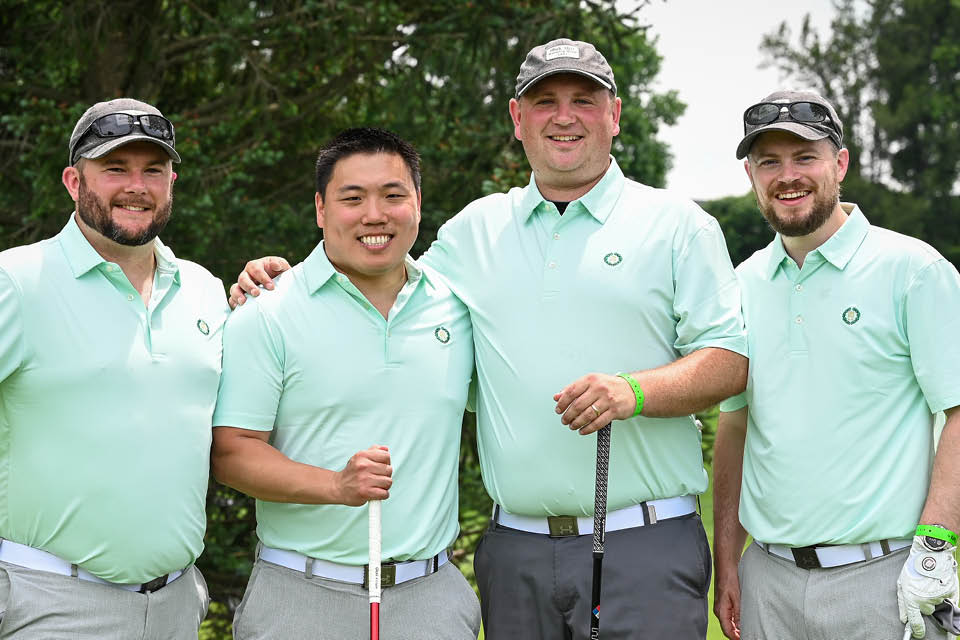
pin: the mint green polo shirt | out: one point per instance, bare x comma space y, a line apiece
850, 356
628, 278
315, 363
106, 407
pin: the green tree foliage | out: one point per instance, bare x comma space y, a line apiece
890, 67
255, 87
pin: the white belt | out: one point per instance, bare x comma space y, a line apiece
826, 556
24, 556
627, 518
391, 572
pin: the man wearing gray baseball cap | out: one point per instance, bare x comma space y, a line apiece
579, 275
584, 270
109, 366
827, 459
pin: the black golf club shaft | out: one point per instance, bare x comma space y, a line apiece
599, 525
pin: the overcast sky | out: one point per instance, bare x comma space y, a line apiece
711, 56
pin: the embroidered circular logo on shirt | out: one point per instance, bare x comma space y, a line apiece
441, 334
613, 258
203, 327
929, 563
851, 315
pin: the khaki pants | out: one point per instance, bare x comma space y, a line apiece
283, 604
38, 605
852, 602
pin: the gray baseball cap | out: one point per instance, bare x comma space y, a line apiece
784, 120
86, 143
564, 56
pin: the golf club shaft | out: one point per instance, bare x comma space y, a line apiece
373, 571
599, 525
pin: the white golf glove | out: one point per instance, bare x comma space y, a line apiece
927, 579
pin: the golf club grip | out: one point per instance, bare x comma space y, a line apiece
600, 499
599, 526
373, 569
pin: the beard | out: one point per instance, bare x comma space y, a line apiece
824, 202
96, 214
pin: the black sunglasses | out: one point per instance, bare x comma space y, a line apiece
806, 112
116, 125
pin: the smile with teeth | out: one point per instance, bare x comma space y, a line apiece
131, 207
792, 195
375, 240
565, 138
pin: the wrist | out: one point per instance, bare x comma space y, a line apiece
637, 393
936, 537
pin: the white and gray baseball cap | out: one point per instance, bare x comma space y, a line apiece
86, 140
564, 56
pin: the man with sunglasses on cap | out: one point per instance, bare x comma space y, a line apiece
109, 366
584, 270
829, 454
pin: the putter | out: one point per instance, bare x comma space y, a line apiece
599, 525
373, 570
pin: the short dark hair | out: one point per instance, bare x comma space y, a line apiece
364, 140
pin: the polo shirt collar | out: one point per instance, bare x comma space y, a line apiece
839, 248
82, 257
599, 201
318, 270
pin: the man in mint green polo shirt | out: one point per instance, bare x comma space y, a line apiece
109, 365
853, 344
584, 270
345, 384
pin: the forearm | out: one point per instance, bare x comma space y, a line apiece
692, 383
259, 470
729, 534
943, 499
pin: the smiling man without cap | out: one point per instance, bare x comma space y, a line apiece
109, 365
852, 336
347, 384
584, 270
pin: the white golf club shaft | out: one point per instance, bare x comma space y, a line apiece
373, 571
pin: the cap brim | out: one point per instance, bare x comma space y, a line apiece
796, 128
553, 72
103, 149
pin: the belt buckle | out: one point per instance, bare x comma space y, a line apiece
806, 557
388, 575
563, 526
154, 585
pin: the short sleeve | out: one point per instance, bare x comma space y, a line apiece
252, 378
734, 403
932, 319
11, 326
707, 296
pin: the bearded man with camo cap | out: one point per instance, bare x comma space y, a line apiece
827, 459
110, 353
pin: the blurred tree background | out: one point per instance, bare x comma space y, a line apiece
255, 87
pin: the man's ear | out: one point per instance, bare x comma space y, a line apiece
71, 180
318, 202
515, 116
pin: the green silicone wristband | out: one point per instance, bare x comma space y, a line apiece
637, 391
937, 532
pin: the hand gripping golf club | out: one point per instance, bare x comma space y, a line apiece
599, 525
373, 570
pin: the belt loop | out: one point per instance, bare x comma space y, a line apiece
308, 568
644, 509
495, 518
436, 563
867, 551
885, 546
73, 571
